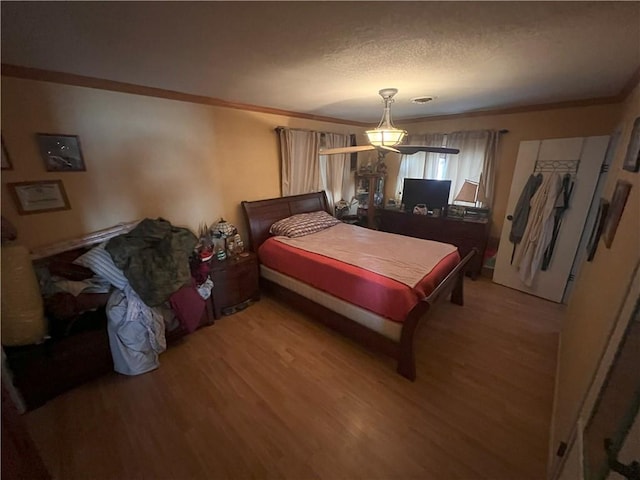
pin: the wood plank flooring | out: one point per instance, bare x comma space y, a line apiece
267, 393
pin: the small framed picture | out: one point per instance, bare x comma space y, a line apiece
61, 153
596, 233
632, 158
618, 202
6, 161
40, 196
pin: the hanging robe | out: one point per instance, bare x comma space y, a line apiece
562, 204
539, 230
521, 212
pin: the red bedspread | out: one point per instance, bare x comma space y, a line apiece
371, 291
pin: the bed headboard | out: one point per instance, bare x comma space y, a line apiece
84, 241
261, 214
59, 257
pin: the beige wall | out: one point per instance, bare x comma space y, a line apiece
145, 157
191, 163
559, 123
599, 292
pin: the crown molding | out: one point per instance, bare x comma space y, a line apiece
18, 71
63, 78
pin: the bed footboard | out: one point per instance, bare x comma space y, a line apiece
452, 284
403, 351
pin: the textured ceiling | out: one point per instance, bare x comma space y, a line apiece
331, 58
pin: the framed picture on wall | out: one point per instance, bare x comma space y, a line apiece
6, 161
632, 158
618, 202
40, 196
61, 153
598, 226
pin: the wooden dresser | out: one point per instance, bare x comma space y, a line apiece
464, 234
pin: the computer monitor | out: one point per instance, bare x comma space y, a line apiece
432, 193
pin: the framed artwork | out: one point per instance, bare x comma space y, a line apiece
632, 158
610, 424
618, 202
40, 196
598, 226
6, 161
61, 153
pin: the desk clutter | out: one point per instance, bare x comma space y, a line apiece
473, 214
455, 212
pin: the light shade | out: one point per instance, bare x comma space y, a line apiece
223, 229
385, 137
385, 134
468, 193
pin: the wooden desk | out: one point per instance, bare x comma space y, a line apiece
463, 234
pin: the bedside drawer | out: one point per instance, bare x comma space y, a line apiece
236, 271
235, 282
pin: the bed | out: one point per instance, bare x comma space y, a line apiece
386, 326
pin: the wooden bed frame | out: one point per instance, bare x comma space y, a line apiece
261, 214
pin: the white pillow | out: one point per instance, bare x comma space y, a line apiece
303, 224
100, 262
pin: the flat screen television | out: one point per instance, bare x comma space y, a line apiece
433, 193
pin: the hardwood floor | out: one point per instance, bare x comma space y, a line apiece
266, 393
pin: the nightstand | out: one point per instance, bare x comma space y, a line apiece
350, 219
235, 283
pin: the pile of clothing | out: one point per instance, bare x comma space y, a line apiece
149, 269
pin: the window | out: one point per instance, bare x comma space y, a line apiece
335, 170
423, 164
477, 153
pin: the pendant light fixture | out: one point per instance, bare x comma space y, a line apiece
385, 134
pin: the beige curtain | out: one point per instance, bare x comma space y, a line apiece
421, 164
476, 162
335, 171
300, 161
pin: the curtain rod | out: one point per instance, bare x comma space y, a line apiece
290, 128
503, 130
277, 129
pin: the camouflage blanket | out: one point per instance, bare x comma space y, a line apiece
154, 257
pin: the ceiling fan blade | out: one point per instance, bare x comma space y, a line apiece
411, 149
388, 149
334, 151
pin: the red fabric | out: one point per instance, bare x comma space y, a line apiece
200, 271
188, 306
371, 291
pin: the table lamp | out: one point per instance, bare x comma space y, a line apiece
468, 193
224, 230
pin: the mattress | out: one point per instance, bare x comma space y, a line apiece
382, 295
366, 318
